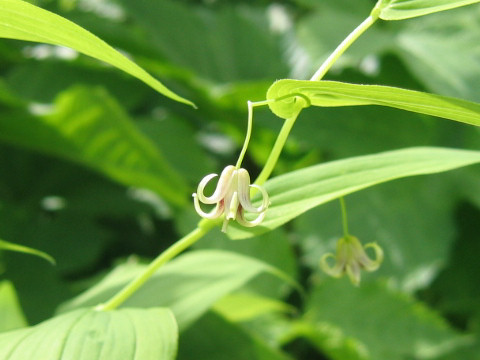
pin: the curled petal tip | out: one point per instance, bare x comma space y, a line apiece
232, 196
335, 270
372, 265
249, 223
351, 258
213, 214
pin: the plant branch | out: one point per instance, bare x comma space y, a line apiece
188, 240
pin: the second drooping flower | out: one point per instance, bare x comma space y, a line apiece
232, 198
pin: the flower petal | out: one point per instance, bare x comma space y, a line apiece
213, 214
369, 264
244, 193
231, 206
220, 190
335, 270
353, 272
249, 223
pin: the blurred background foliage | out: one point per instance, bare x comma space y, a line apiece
65, 194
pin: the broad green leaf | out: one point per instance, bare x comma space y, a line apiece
296, 192
384, 323
223, 44
190, 160
273, 248
85, 334
188, 285
89, 127
405, 9
23, 21
11, 315
442, 51
5, 245
331, 93
215, 338
328, 339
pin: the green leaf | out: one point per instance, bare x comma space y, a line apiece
442, 52
215, 338
5, 245
405, 9
416, 231
224, 44
23, 21
273, 248
407, 328
11, 315
332, 93
89, 127
127, 334
189, 285
296, 192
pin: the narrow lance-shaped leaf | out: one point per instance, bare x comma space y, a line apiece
332, 93
405, 9
85, 334
23, 21
294, 193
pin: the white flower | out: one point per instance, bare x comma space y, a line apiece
232, 198
351, 258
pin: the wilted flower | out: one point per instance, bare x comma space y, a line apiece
351, 258
232, 197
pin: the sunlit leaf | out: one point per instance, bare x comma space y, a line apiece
246, 306
23, 21
331, 93
11, 316
188, 285
404, 9
298, 191
5, 245
127, 334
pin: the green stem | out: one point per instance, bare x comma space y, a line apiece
188, 240
344, 217
287, 126
345, 44
276, 150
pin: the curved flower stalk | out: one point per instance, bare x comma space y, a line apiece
232, 198
351, 258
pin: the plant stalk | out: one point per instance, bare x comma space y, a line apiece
345, 44
188, 240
